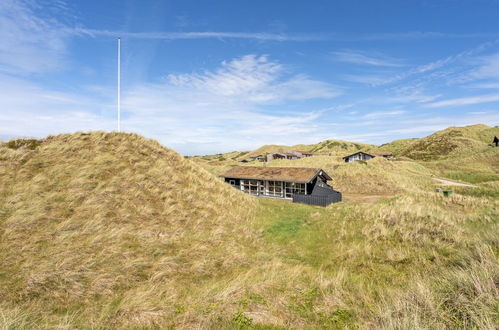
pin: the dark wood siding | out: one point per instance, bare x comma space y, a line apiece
318, 200
237, 182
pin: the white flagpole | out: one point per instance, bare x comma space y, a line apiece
119, 84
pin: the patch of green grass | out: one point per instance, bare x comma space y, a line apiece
340, 318
472, 177
478, 191
242, 321
30, 144
285, 228
240, 154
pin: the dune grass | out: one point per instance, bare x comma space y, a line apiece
452, 142
114, 231
376, 176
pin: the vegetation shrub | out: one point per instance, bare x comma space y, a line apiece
30, 144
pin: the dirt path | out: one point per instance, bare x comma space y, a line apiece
444, 182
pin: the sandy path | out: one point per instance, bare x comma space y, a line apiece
444, 182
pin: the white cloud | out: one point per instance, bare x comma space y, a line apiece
161, 35
410, 94
29, 43
368, 79
224, 109
256, 79
364, 58
266, 36
489, 68
381, 114
465, 101
47, 111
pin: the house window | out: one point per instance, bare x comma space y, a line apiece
253, 187
232, 182
294, 188
275, 188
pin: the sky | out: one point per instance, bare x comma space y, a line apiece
205, 77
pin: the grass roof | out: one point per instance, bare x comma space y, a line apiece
288, 174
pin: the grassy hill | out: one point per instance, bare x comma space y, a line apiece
451, 142
377, 176
336, 147
396, 146
110, 230
112, 226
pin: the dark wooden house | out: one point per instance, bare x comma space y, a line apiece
496, 141
299, 184
358, 156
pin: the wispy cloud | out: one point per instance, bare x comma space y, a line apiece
256, 79
186, 109
364, 58
381, 114
29, 43
488, 69
429, 68
165, 35
412, 35
465, 101
367, 79
29, 109
266, 36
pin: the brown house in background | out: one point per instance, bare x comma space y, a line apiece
289, 154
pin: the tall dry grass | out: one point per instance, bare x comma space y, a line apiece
376, 176
112, 219
115, 231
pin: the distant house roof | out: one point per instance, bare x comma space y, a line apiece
305, 152
360, 152
284, 153
294, 153
288, 174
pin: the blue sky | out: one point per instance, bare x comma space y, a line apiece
214, 76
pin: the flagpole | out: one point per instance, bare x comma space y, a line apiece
119, 84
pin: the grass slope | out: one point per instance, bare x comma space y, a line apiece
112, 227
97, 232
397, 146
376, 176
451, 142
337, 147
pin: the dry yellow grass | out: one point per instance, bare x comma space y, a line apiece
85, 216
114, 231
451, 142
376, 176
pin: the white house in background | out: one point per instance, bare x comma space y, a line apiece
357, 156
365, 156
